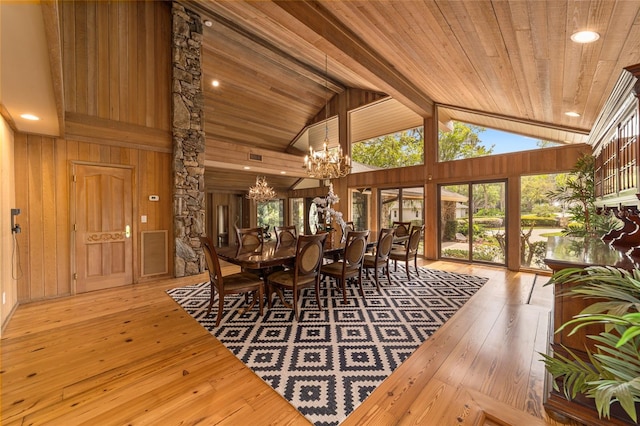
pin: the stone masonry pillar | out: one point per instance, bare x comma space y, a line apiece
188, 142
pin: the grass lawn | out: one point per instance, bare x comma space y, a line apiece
552, 234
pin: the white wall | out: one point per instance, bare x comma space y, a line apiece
8, 294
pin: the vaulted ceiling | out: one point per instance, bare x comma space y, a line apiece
501, 64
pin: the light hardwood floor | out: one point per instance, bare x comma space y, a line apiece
133, 356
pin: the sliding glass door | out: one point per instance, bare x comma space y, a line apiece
472, 222
270, 215
402, 205
360, 208
389, 207
297, 216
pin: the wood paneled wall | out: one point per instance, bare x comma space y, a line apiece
43, 185
116, 60
117, 71
509, 167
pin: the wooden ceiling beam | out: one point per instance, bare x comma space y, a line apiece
504, 117
353, 53
239, 35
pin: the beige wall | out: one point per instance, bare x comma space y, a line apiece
7, 202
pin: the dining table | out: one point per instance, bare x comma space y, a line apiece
267, 254
270, 253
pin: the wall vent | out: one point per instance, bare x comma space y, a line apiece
154, 253
255, 157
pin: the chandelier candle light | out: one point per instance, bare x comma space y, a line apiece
327, 164
261, 192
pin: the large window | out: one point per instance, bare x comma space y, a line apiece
271, 214
472, 223
315, 135
385, 134
463, 140
540, 218
400, 149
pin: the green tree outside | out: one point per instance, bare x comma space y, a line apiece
462, 142
406, 148
400, 149
271, 213
534, 190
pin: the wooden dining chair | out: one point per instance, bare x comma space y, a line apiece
346, 228
266, 235
286, 234
238, 283
305, 272
350, 265
402, 231
406, 253
249, 236
380, 259
250, 239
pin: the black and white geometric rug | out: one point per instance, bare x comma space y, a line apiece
328, 362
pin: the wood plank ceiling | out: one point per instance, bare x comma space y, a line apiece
501, 64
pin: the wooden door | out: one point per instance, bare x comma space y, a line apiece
103, 227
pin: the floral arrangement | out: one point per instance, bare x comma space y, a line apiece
324, 207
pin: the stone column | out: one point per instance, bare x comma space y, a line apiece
188, 142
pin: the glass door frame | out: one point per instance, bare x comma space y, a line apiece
470, 215
401, 208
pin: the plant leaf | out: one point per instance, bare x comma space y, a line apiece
627, 335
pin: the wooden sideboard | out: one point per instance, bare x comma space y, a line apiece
615, 138
570, 252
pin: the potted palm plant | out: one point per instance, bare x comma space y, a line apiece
611, 375
576, 191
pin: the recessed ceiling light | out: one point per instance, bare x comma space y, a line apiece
215, 83
572, 114
247, 168
30, 117
585, 36
208, 23
283, 173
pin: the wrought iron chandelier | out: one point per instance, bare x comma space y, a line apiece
261, 192
328, 163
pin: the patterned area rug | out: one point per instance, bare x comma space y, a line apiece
327, 363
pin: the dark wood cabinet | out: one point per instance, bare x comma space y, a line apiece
615, 141
616, 146
614, 138
568, 252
